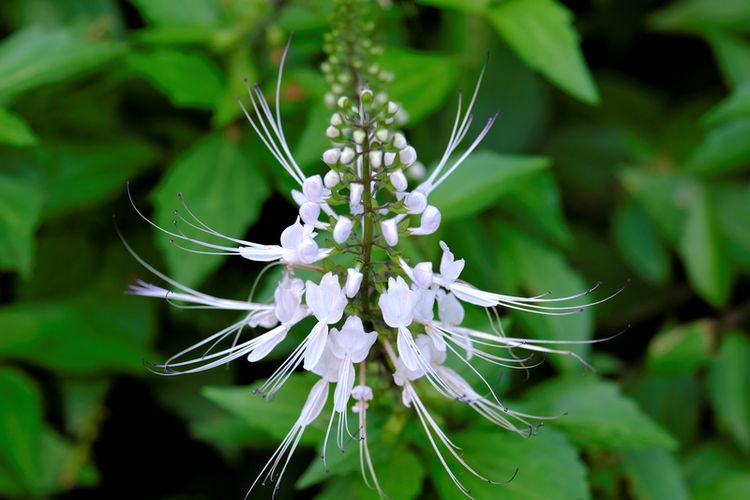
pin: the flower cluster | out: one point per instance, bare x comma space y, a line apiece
369, 297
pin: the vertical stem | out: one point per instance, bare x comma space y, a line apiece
367, 222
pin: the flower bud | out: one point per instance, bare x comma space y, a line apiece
343, 102
366, 96
331, 156
417, 171
392, 108
430, 222
355, 193
342, 230
312, 188
353, 282
336, 120
389, 229
331, 179
329, 99
332, 132
416, 202
309, 212
423, 274
388, 159
376, 158
398, 180
347, 155
382, 134
307, 251
408, 155
359, 136
399, 141
362, 392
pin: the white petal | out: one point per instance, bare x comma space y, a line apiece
405, 350
316, 345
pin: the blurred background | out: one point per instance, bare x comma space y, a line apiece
622, 152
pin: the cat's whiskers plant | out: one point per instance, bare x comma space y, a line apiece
361, 309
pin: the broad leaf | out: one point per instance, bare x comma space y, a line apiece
14, 130
728, 384
704, 251
179, 12
697, 15
640, 243
20, 212
735, 106
724, 149
20, 425
421, 80
654, 473
681, 349
548, 466
468, 6
541, 33
481, 180
189, 79
78, 336
223, 187
37, 56
595, 415
733, 56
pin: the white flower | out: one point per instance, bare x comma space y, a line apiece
450, 268
331, 179
429, 223
415, 202
450, 310
408, 155
422, 274
389, 229
342, 230
398, 180
331, 156
355, 193
353, 282
326, 302
314, 190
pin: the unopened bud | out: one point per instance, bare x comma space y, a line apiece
366, 96
416, 202
353, 282
399, 141
430, 222
342, 230
355, 193
382, 134
312, 188
331, 156
389, 229
388, 159
331, 179
408, 155
392, 108
376, 158
332, 132
359, 136
336, 119
398, 180
347, 155
343, 102
417, 171
309, 212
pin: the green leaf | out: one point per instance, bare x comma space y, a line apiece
189, 79
421, 80
179, 12
548, 466
674, 401
20, 213
733, 212
77, 175
313, 141
704, 253
724, 149
20, 425
14, 130
37, 56
709, 464
735, 106
640, 243
468, 6
732, 55
596, 415
227, 109
697, 15
481, 180
400, 477
541, 270
728, 486
682, 349
223, 186
274, 416
728, 383
541, 33
77, 335
655, 474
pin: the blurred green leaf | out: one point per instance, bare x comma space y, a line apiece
313, 141
728, 383
400, 477
20, 212
274, 416
481, 180
674, 401
179, 12
227, 109
189, 79
733, 211
222, 186
710, 464
704, 252
732, 55
77, 174
681, 349
548, 466
20, 426
82, 402
640, 243
469, 6
737, 105
14, 130
728, 486
654, 474
542, 34
596, 415
61, 468
725, 149
78, 335
37, 56
541, 270
421, 81
697, 15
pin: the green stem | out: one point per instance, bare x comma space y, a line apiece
367, 233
